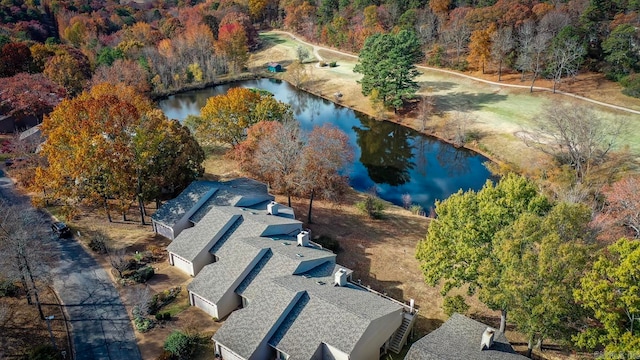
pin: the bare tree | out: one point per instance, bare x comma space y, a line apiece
576, 136
501, 45
554, 21
538, 51
140, 298
458, 34
425, 110
526, 34
459, 123
26, 245
118, 260
297, 73
565, 59
278, 157
427, 27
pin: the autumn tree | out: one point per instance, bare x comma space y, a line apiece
232, 42
462, 234
610, 291
323, 160
69, 69
110, 143
226, 117
297, 73
387, 63
123, 72
622, 204
27, 94
15, 57
480, 46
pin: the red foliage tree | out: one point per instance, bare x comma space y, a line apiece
29, 95
14, 58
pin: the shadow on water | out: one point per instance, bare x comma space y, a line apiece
394, 159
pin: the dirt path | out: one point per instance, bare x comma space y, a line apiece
316, 49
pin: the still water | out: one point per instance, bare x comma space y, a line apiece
393, 159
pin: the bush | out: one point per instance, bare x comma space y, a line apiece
143, 324
44, 352
161, 299
181, 345
98, 244
7, 288
328, 242
143, 274
454, 304
417, 210
333, 64
323, 64
163, 316
631, 85
372, 206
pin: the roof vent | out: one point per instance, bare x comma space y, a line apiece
299, 255
272, 208
320, 282
340, 277
303, 238
487, 339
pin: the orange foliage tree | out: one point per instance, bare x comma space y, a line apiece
110, 143
232, 43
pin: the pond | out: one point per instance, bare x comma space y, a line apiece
393, 159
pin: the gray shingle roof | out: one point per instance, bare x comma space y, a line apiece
459, 338
192, 241
174, 209
245, 329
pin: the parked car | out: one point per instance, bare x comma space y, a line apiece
61, 229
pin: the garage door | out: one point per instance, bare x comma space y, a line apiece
228, 354
205, 305
182, 264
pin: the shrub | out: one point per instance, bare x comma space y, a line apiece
7, 288
98, 244
161, 299
328, 242
372, 206
143, 274
333, 64
453, 304
417, 210
44, 352
163, 316
631, 85
323, 64
181, 345
143, 324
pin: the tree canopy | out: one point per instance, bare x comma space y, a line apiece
109, 143
225, 118
387, 65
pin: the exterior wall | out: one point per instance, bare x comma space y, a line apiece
163, 230
378, 333
202, 304
181, 263
226, 353
202, 259
230, 301
331, 353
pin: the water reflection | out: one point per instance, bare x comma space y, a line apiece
393, 159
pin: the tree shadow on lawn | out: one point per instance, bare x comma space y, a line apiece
432, 86
464, 101
270, 40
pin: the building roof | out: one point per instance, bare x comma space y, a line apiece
192, 241
245, 329
459, 338
175, 209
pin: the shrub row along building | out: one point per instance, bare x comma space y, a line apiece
283, 296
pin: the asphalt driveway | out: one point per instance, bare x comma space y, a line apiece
99, 322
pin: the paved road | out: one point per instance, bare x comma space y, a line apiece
99, 322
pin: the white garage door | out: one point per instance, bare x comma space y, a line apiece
228, 354
205, 305
182, 264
